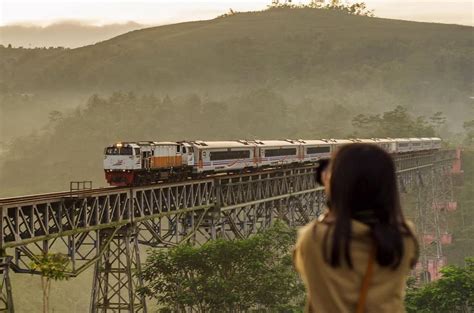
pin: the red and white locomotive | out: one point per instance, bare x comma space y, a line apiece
144, 162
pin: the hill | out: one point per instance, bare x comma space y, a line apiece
281, 46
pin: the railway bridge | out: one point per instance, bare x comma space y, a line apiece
105, 227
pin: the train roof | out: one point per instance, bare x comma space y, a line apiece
222, 144
267, 143
277, 143
343, 141
402, 139
315, 142
123, 144
166, 143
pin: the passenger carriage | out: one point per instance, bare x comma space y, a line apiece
426, 143
416, 144
315, 150
403, 145
277, 152
435, 143
219, 156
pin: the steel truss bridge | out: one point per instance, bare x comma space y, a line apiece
105, 227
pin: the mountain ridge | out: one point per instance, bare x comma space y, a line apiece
67, 34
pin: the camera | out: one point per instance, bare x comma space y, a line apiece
322, 166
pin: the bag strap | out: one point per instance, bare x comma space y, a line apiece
365, 283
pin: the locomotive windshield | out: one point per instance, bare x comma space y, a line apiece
119, 151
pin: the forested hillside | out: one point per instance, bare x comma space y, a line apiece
332, 57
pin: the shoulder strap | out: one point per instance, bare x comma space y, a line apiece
365, 283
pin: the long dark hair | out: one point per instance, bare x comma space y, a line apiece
363, 186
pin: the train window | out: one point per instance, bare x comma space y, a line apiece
137, 151
229, 155
126, 151
112, 151
314, 150
280, 152
184, 149
119, 151
178, 147
403, 145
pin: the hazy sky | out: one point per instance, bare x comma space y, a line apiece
169, 11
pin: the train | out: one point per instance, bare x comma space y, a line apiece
147, 162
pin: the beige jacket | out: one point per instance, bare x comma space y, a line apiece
336, 290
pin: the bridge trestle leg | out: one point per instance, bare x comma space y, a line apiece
115, 281
6, 297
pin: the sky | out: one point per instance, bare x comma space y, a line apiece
158, 12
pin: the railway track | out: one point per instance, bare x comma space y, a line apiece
55, 195
88, 192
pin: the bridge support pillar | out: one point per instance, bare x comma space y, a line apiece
6, 297
115, 279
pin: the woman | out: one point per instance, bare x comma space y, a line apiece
356, 257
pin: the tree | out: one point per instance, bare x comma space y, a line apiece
469, 129
55, 116
437, 120
226, 276
453, 292
51, 267
396, 123
358, 8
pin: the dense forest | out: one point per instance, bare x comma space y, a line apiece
71, 146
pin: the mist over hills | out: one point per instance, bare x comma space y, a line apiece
68, 34
280, 73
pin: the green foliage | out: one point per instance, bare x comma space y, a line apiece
227, 276
358, 8
452, 293
396, 123
469, 129
52, 266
